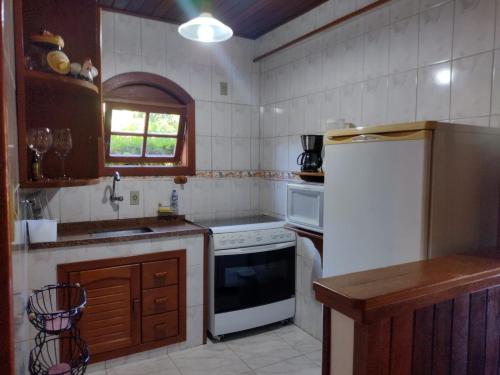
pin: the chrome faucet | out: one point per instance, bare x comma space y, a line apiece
114, 197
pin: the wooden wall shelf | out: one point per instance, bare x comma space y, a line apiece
311, 176
54, 183
60, 82
50, 100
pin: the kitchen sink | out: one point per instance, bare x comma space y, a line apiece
120, 232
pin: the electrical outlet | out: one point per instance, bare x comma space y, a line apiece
134, 198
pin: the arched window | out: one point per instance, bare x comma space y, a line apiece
148, 126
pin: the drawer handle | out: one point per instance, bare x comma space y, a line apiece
160, 275
162, 301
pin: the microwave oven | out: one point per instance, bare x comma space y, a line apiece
304, 207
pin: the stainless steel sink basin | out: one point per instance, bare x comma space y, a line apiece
120, 232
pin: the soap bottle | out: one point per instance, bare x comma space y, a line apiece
174, 202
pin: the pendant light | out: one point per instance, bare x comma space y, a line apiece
205, 28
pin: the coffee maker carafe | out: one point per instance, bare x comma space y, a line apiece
310, 160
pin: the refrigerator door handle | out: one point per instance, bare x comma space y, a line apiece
382, 137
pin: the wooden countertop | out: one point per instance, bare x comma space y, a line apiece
79, 234
372, 295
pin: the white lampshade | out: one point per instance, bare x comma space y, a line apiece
206, 29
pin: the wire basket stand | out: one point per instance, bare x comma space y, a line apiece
57, 331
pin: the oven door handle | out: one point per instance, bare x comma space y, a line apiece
254, 249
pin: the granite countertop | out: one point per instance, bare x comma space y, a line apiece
84, 233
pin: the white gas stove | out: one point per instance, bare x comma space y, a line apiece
251, 273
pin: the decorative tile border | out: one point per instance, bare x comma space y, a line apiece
275, 175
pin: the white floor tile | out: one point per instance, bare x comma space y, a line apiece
262, 349
211, 359
294, 366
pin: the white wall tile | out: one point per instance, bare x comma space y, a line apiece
377, 18
241, 121
351, 104
401, 9
222, 195
375, 101
351, 61
203, 153
107, 32
201, 195
282, 113
402, 97
436, 34
240, 154
200, 81
330, 110
267, 154
127, 62
404, 45
127, 34
281, 153
221, 119
312, 113
297, 116
497, 24
268, 120
495, 99
75, 204
153, 38
474, 29
221, 151
471, 75
433, 92
254, 154
203, 118
240, 194
124, 187
376, 56
178, 71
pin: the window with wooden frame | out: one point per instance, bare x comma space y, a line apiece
148, 126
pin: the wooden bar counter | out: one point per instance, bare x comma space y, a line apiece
439, 316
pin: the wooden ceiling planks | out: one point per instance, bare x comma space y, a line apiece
247, 18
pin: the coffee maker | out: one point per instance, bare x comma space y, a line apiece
310, 160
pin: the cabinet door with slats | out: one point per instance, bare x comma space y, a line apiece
111, 319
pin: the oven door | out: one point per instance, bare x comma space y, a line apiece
253, 276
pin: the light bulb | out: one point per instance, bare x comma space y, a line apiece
205, 33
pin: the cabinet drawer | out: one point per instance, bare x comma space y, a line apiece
158, 274
158, 327
159, 300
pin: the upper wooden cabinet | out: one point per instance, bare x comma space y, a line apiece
47, 99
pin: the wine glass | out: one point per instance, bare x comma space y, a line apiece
62, 146
39, 141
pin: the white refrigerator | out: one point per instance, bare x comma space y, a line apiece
406, 192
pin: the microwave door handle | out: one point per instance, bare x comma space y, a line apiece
254, 249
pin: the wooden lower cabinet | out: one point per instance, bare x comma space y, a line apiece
133, 303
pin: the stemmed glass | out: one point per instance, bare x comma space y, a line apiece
62, 146
39, 141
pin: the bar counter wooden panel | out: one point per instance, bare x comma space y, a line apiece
440, 316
